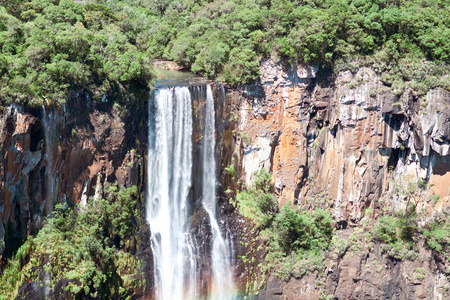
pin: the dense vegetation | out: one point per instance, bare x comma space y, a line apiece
297, 239
48, 46
406, 40
82, 252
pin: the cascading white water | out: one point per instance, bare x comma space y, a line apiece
169, 181
50, 172
220, 252
51, 180
170, 163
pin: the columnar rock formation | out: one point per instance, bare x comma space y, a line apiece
332, 140
341, 134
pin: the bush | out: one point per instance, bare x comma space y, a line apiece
297, 242
399, 232
303, 231
263, 181
386, 229
437, 234
257, 202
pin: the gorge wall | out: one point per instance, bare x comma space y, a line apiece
341, 134
339, 141
66, 155
330, 140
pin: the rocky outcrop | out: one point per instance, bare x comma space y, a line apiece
364, 272
341, 133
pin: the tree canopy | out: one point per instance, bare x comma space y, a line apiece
48, 46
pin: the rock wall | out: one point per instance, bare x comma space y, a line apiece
339, 140
64, 155
329, 139
341, 134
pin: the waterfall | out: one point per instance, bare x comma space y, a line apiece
169, 181
51, 178
220, 253
177, 254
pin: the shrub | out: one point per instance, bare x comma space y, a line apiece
399, 232
437, 234
257, 202
303, 231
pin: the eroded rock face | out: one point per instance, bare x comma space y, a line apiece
50, 156
365, 275
341, 133
335, 138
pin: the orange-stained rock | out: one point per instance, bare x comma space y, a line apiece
341, 134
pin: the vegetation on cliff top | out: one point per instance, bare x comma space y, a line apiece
48, 46
82, 252
224, 39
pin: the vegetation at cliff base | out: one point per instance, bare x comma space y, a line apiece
398, 233
437, 233
297, 239
257, 201
82, 252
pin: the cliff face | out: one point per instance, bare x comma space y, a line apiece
342, 134
329, 139
65, 155
333, 139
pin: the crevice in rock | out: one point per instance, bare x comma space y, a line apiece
36, 136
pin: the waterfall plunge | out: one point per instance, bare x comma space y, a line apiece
51, 144
170, 178
220, 253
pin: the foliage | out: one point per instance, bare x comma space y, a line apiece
437, 234
420, 273
403, 40
398, 230
303, 231
263, 211
48, 47
399, 233
296, 240
87, 246
437, 238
